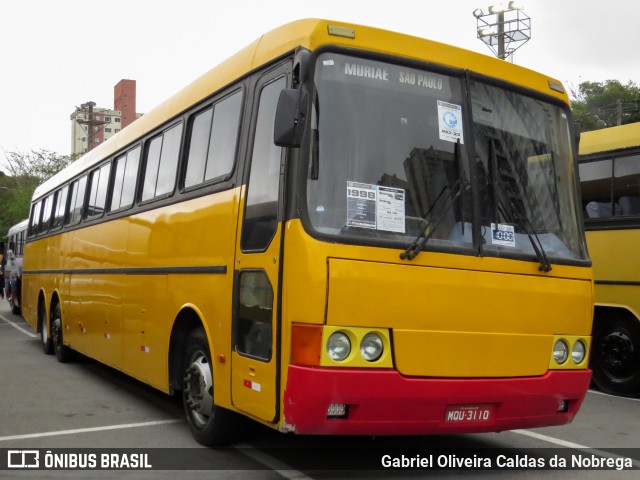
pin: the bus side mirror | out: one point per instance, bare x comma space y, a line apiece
290, 118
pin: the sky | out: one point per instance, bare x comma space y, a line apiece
56, 55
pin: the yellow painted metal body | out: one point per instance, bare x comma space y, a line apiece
126, 320
450, 315
605, 247
610, 139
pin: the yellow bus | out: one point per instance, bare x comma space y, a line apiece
610, 184
338, 230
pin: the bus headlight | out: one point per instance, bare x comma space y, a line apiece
371, 347
560, 352
578, 353
338, 346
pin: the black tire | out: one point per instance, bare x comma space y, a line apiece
63, 353
15, 305
210, 425
45, 338
615, 356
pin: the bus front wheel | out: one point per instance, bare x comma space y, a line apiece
615, 356
210, 425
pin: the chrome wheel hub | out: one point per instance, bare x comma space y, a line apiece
198, 389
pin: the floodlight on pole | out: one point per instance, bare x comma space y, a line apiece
504, 29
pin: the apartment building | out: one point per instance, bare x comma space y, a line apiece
92, 125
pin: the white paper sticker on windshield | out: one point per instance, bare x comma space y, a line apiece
375, 207
503, 235
450, 122
361, 205
390, 209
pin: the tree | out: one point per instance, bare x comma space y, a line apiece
26, 171
598, 105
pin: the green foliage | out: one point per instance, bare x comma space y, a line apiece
598, 105
26, 172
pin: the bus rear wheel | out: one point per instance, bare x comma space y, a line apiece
45, 338
615, 356
210, 425
63, 353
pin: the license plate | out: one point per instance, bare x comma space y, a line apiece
469, 413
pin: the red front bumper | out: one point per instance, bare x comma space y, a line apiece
383, 402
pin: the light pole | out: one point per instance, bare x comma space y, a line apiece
90, 121
503, 29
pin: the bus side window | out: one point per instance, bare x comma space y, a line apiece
76, 204
595, 183
59, 207
212, 146
98, 193
629, 205
261, 211
626, 184
124, 183
46, 214
252, 331
35, 219
162, 163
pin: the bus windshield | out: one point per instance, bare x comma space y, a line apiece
390, 160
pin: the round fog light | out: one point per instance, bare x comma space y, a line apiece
371, 347
338, 346
578, 353
560, 352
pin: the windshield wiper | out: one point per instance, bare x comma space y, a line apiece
545, 266
498, 204
427, 232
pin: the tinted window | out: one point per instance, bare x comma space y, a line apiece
98, 194
78, 189
162, 163
260, 221
46, 214
60, 207
124, 184
626, 185
198, 148
151, 170
252, 329
611, 187
212, 146
35, 219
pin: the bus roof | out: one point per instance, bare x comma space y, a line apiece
607, 139
310, 34
18, 226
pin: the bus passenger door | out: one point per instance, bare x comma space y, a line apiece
255, 360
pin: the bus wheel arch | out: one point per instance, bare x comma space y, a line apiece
186, 321
615, 353
43, 325
191, 372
